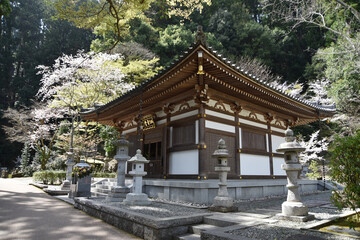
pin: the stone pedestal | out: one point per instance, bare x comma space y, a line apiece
69, 163
119, 192
137, 197
222, 202
293, 209
81, 187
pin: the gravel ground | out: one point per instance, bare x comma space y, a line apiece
319, 205
162, 210
318, 202
274, 202
284, 233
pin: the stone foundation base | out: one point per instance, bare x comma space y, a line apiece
137, 199
118, 194
294, 209
223, 209
66, 185
309, 217
223, 204
222, 201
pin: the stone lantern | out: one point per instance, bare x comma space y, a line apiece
81, 187
222, 202
69, 163
137, 197
293, 208
118, 193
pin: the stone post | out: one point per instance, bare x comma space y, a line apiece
118, 193
82, 186
137, 197
292, 209
69, 163
106, 163
222, 202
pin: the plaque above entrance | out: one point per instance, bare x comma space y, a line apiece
148, 122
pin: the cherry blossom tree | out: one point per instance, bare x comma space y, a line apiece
36, 125
81, 81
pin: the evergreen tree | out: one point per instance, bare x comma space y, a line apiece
25, 160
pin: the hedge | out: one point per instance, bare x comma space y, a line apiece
103, 175
50, 176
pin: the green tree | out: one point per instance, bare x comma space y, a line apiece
109, 135
111, 18
345, 169
5, 8
173, 41
23, 30
25, 160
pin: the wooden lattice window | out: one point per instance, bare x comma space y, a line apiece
183, 134
253, 140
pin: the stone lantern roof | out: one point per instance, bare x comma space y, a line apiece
82, 164
138, 158
290, 145
222, 151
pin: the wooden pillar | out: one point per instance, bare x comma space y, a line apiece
202, 144
269, 118
201, 99
165, 139
236, 107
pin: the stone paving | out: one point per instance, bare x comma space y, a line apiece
255, 219
26, 212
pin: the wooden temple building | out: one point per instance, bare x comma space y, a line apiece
200, 98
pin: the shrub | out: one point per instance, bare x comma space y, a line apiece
103, 175
345, 169
50, 176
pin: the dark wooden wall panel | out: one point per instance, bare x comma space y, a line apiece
212, 140
253, 140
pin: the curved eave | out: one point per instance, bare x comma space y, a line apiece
160, 80
92, 114
325, 110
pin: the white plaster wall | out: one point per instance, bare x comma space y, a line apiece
219, 115
276, 141
251, 123
192, 103
211, 103
282, 124
160, 114
277, 161
279, 130
240, 139
244, 113
160, 122
261, 117
184, 162
196, 131
184, 115
129, 131
219, 126
254, 164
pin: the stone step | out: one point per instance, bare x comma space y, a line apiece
189, 236
107, 184
100, 190
102, 187
218, 221
197, 229
96, 194
229, 219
